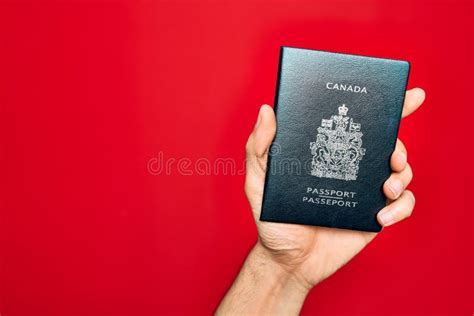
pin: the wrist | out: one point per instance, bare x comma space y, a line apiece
288, 276
264, 287
289, 289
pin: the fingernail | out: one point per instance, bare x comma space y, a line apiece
396, 187
387, 217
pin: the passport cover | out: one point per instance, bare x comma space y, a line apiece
337, 122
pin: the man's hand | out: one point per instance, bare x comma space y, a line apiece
302, 256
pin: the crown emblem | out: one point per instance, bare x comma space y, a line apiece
337, 150
343, 110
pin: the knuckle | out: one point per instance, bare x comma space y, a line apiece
411, 196
406, 206
409, 173
410, 201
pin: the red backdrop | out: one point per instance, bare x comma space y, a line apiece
90, 92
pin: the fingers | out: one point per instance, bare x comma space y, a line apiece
394, 188
262, 136
413, 99
398, 161
397, 210
403, 200
402, 173
397, 183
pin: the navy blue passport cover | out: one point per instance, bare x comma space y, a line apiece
337, 122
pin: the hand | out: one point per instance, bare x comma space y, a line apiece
288, 259
313, 253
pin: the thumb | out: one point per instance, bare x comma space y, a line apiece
263, 133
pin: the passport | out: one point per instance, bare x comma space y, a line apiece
338, 117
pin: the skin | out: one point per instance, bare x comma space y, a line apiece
289, 260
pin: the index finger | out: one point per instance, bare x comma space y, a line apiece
413, 99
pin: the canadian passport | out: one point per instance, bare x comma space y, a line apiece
338, 117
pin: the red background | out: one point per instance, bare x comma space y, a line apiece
91, 91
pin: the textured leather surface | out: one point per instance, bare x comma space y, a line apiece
302, 101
